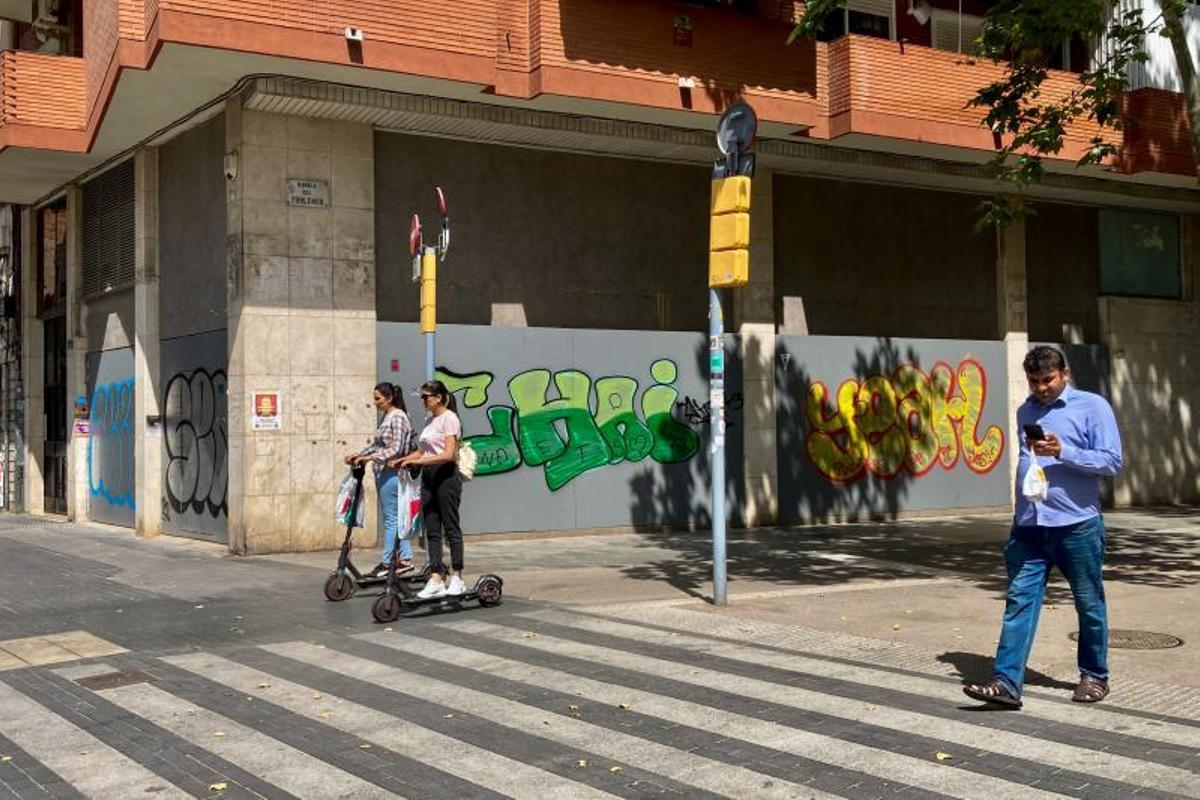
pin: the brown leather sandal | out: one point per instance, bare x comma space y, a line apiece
1090, 690
993, 692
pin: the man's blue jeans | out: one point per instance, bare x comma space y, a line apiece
387, 486
1078, 551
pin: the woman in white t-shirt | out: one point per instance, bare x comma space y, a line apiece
441, 489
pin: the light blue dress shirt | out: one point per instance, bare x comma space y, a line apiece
1091, 449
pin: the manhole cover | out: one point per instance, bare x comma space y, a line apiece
1139, 640
113, 680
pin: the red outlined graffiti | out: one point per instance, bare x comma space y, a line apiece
903, 423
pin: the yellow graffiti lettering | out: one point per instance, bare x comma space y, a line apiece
826, 426
981, 453
909, 421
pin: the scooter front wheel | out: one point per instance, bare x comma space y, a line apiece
386, 608
489, 591
338, 587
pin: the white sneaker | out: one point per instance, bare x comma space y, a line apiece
456, 588
432, 589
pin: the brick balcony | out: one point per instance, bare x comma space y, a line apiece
883, 88
42, 101
621, 51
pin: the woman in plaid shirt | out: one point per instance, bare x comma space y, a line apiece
393, 438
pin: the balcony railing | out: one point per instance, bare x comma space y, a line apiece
41, 90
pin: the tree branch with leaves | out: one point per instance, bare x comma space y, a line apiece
1031, 122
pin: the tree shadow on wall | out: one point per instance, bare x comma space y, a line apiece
807, 495
1156, 400
671, 503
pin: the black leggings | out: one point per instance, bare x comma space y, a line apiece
441, 493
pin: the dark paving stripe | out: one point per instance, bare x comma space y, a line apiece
546, 754
1167, 754
171, 757
393, 771
998, 765
26, 777
709, 744
950, 681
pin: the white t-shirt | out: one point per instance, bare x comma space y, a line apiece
433, 438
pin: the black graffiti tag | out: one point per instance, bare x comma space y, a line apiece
699, 414
195, 413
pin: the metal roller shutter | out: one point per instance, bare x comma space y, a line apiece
108, 231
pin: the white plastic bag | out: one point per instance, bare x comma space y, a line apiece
1035, 487
467, 459
345, 512
408, 515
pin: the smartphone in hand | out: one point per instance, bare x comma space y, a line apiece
1034, 433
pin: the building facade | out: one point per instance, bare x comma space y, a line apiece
206, 262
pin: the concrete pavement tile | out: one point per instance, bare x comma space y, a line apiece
37, 651
85, 644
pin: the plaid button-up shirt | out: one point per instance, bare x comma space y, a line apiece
393, 438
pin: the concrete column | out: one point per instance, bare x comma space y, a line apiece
1012, 327
301, 323
754, 317
148, 427
78, 494
32, 368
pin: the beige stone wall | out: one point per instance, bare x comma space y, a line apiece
301, 321
754, 316
1155, 351
32, 367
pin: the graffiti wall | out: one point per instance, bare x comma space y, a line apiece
195, 414
875, 427
575, 428
110, 465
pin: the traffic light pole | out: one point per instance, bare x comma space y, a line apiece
728, 268
429, 308
425, 262
716, 396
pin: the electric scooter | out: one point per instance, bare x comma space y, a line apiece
400, 595
346, 580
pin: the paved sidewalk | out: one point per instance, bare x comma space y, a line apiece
132, 667
934, 584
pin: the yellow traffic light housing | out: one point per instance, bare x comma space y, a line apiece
729, 233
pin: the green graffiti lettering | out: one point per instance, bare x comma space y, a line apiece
628, 439
498, 451
541, 443
673, 441
564, 435
474, 386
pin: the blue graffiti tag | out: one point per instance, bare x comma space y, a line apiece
110, 447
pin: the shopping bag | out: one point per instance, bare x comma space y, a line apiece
1035, 487
408, 515
466, 458
345, 512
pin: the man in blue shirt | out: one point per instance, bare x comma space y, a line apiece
1072, 436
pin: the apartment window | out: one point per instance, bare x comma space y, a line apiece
862, 17
52, 255
108, 231
956, 33
1140, 254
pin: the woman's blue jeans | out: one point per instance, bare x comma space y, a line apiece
1078, 551
387, 486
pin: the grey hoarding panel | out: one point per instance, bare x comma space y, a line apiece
874, 427
110, 466
574, 428
195, 413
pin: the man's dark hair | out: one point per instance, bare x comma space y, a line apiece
1044, 358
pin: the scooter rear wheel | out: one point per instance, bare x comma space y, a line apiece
338, 587
386, 608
